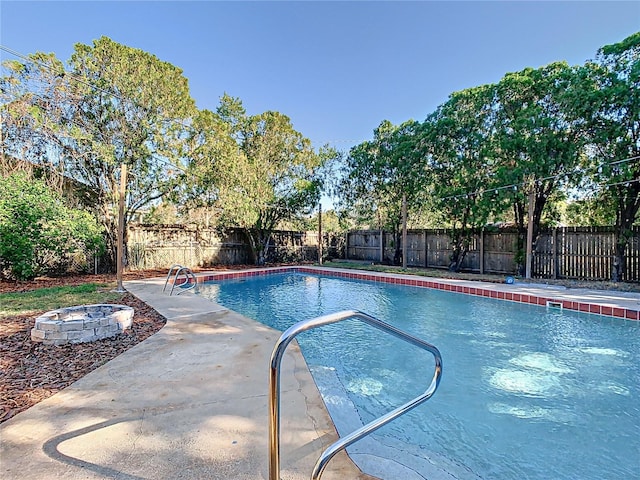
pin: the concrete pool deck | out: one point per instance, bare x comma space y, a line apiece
190, 402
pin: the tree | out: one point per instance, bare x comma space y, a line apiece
588, 212
261, 173
212, 149
536, 147
605, 101
379, 173
131, 108
115, 105
38, 232
30, 114
455, 143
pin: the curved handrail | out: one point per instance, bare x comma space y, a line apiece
189, 275
274, 388
175, 265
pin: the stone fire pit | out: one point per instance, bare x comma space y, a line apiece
84, 323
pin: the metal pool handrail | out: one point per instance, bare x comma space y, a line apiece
171, 268
188, 274
342, 443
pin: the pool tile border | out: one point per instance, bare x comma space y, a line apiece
445, 285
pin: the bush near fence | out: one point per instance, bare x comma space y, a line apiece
160, 246
584, 253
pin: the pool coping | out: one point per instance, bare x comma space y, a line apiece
623, 305
190, 401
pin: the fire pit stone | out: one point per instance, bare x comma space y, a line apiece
83, 323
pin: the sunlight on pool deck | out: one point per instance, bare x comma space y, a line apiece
191, 401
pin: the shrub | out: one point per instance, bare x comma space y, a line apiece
38, 232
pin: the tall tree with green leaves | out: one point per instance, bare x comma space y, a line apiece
379, 173
31, 110
212, 149
536, 147
114, 105
456, 142
605, 101
129, 108
263, 173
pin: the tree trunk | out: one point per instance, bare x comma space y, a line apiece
460, 249
253, 250
622, 234
111, 246
619, 261
258, 242
397, 254
262, 248
627, 209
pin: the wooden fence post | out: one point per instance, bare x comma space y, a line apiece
554, 252
426, 250
482, 251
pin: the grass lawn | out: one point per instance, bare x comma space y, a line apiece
31, 371
52, 298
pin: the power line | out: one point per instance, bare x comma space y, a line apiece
515, 186
81, 80
626, 183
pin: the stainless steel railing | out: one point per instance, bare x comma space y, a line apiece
190, 278
344, 442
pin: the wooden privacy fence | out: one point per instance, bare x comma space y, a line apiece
584, 253
160, 246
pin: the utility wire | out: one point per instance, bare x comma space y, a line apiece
514, 186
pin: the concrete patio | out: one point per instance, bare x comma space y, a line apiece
188, 403
191, 401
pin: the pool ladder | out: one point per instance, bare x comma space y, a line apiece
189, 277
343, 442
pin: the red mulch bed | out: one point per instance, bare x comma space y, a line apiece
31, 371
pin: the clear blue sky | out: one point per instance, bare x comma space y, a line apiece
337, 69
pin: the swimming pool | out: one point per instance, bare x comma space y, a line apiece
526, 392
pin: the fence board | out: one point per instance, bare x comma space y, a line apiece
565, 253
584, 253
160, 246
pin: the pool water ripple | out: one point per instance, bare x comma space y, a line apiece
527, 393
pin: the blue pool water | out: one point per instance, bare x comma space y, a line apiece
526, 393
